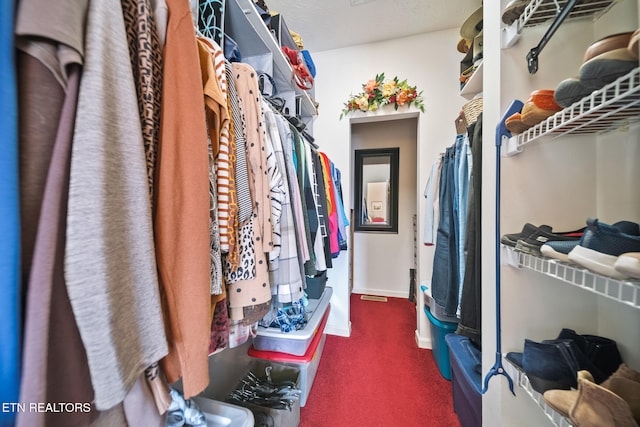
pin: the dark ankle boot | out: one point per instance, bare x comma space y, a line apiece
602, 352
550, 365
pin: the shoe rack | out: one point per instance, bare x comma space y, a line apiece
559, 172
522, 383
620, 291
614, 106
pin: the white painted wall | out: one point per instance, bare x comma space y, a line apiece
382, 260
429, 61
557, 182
554, 182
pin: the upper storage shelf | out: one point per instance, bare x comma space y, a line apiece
540, 11
474, 84
261, 50
613, 106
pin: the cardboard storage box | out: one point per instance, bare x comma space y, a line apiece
466, 380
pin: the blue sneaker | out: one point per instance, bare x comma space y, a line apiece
559, 249
602, 244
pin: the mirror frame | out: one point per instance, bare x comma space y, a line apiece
394, 160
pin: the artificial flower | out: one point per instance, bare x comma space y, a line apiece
378, 92
371, 86
402, 98
363, 102
388, 88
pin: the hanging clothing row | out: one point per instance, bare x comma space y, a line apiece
163, 202
451, 207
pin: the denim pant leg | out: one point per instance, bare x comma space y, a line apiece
462, 197
445, 262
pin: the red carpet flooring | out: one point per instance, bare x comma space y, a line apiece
379, 376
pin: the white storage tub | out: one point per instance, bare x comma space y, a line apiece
307, 364
222, 414
294, 342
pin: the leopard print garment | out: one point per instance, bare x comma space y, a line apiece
146, 62
246, 268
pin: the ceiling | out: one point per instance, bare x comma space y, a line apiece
332, 24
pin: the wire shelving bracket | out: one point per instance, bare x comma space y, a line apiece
523, 382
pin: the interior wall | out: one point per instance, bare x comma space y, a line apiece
382, 260
559, 182
429, 61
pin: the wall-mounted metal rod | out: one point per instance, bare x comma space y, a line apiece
532, 56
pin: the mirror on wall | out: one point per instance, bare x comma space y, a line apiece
376, 189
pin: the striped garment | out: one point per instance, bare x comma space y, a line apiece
227, 196
243, 192
318, 244
276, 182
294, 191
215, 85
284, 271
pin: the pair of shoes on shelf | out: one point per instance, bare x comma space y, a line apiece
604, 61
539, 106
531, 238
515, 9
609, 250
615, 402
553, 364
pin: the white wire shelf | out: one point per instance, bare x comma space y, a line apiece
626, 292
614, 106
540, 11
521, 379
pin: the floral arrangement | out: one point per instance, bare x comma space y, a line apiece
378, 92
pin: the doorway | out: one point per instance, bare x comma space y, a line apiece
381, 260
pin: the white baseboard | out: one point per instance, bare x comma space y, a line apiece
423, 342
337, 330
381, 292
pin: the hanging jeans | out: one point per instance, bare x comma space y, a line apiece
462, 165
471, 303
445, 281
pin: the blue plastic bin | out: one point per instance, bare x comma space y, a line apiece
439, 330
466, 380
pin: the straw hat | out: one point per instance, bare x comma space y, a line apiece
472, 26
463, 45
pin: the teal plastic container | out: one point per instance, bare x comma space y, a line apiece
439, 347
